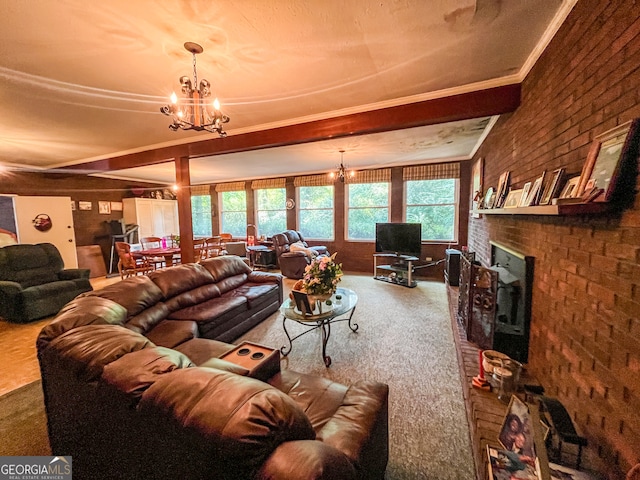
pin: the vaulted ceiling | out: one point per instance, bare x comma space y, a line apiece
83, 82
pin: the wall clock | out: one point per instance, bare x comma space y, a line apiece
290, 203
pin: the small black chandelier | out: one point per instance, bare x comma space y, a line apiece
342, 174
192, 112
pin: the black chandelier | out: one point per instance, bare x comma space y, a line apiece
192, 112
342, 174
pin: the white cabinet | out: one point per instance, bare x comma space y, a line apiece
156, 218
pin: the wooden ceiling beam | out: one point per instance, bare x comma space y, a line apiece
493, 101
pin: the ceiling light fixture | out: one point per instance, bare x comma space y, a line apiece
192, 112
342, 172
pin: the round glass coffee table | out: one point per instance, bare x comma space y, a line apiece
343, 303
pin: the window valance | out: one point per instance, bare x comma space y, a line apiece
370, 176
200, 190
230, 186
268, 183
432, 171
313, 180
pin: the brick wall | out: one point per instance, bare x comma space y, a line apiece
585, 332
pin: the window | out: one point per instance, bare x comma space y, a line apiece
201, 215
367, 204
434, 204
233, 212
271, 211
315, 212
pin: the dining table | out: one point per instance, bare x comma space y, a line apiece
167, 253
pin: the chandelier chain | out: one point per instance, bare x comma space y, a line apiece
195, 72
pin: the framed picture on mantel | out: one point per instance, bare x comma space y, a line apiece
611, 153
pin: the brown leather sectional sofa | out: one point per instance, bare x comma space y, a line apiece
133, 389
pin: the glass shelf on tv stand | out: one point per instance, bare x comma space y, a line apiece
399, 271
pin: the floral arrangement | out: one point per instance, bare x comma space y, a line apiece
322, 275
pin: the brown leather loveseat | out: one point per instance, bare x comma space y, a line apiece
131, 393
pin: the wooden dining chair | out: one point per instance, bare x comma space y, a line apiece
128, 264
199, 249
174, 242
153, 242
214, 246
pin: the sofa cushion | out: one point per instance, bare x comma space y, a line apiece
79, 312
313, 460
30, 277
86, 350
181, 278
30, 265
243, 419
148, 319
318, 397
220, 364
201, 350
217, 310
193, 297
366, 403
225, 266
171, 333
256, 294
47, 299
133, 373
134, 293
48, 290
229, 283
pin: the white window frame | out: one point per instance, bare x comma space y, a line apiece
192, 203
456, 208
258, 210
348, 208
223, 211
332, 209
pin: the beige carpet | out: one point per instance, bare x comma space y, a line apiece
23, 423
405, 340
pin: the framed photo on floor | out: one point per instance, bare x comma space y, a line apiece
516, 433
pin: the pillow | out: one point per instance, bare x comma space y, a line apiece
299, 247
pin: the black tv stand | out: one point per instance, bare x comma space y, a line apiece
398, 271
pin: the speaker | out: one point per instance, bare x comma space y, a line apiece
452, 266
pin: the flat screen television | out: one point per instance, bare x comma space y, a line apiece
399, 238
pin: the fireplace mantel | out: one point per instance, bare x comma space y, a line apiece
557, 210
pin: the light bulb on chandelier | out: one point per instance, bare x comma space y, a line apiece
193, 112
342, 174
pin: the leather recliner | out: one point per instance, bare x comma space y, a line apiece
34, 283
292, 263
